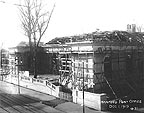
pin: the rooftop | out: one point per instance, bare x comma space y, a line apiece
106, 36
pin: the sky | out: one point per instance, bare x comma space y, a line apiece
72, 17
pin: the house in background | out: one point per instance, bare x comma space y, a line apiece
132, 28
21, 56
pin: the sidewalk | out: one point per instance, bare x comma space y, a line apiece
70, 107
53, 102
47, 101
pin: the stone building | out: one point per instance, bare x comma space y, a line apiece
105, 62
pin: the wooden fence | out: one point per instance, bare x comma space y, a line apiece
65, 96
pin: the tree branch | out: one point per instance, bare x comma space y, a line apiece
41, 34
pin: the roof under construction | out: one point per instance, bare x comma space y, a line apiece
106, 36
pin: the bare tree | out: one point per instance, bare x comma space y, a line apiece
35, 21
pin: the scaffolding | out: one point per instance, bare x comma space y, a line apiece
4, 62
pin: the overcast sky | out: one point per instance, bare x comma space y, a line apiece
72, 17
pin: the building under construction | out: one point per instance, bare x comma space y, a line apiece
105, 62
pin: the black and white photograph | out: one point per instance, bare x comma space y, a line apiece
71, 56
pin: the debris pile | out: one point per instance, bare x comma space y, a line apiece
106, 36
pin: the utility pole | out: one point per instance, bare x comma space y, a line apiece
18, 83
83, 89
18, 64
